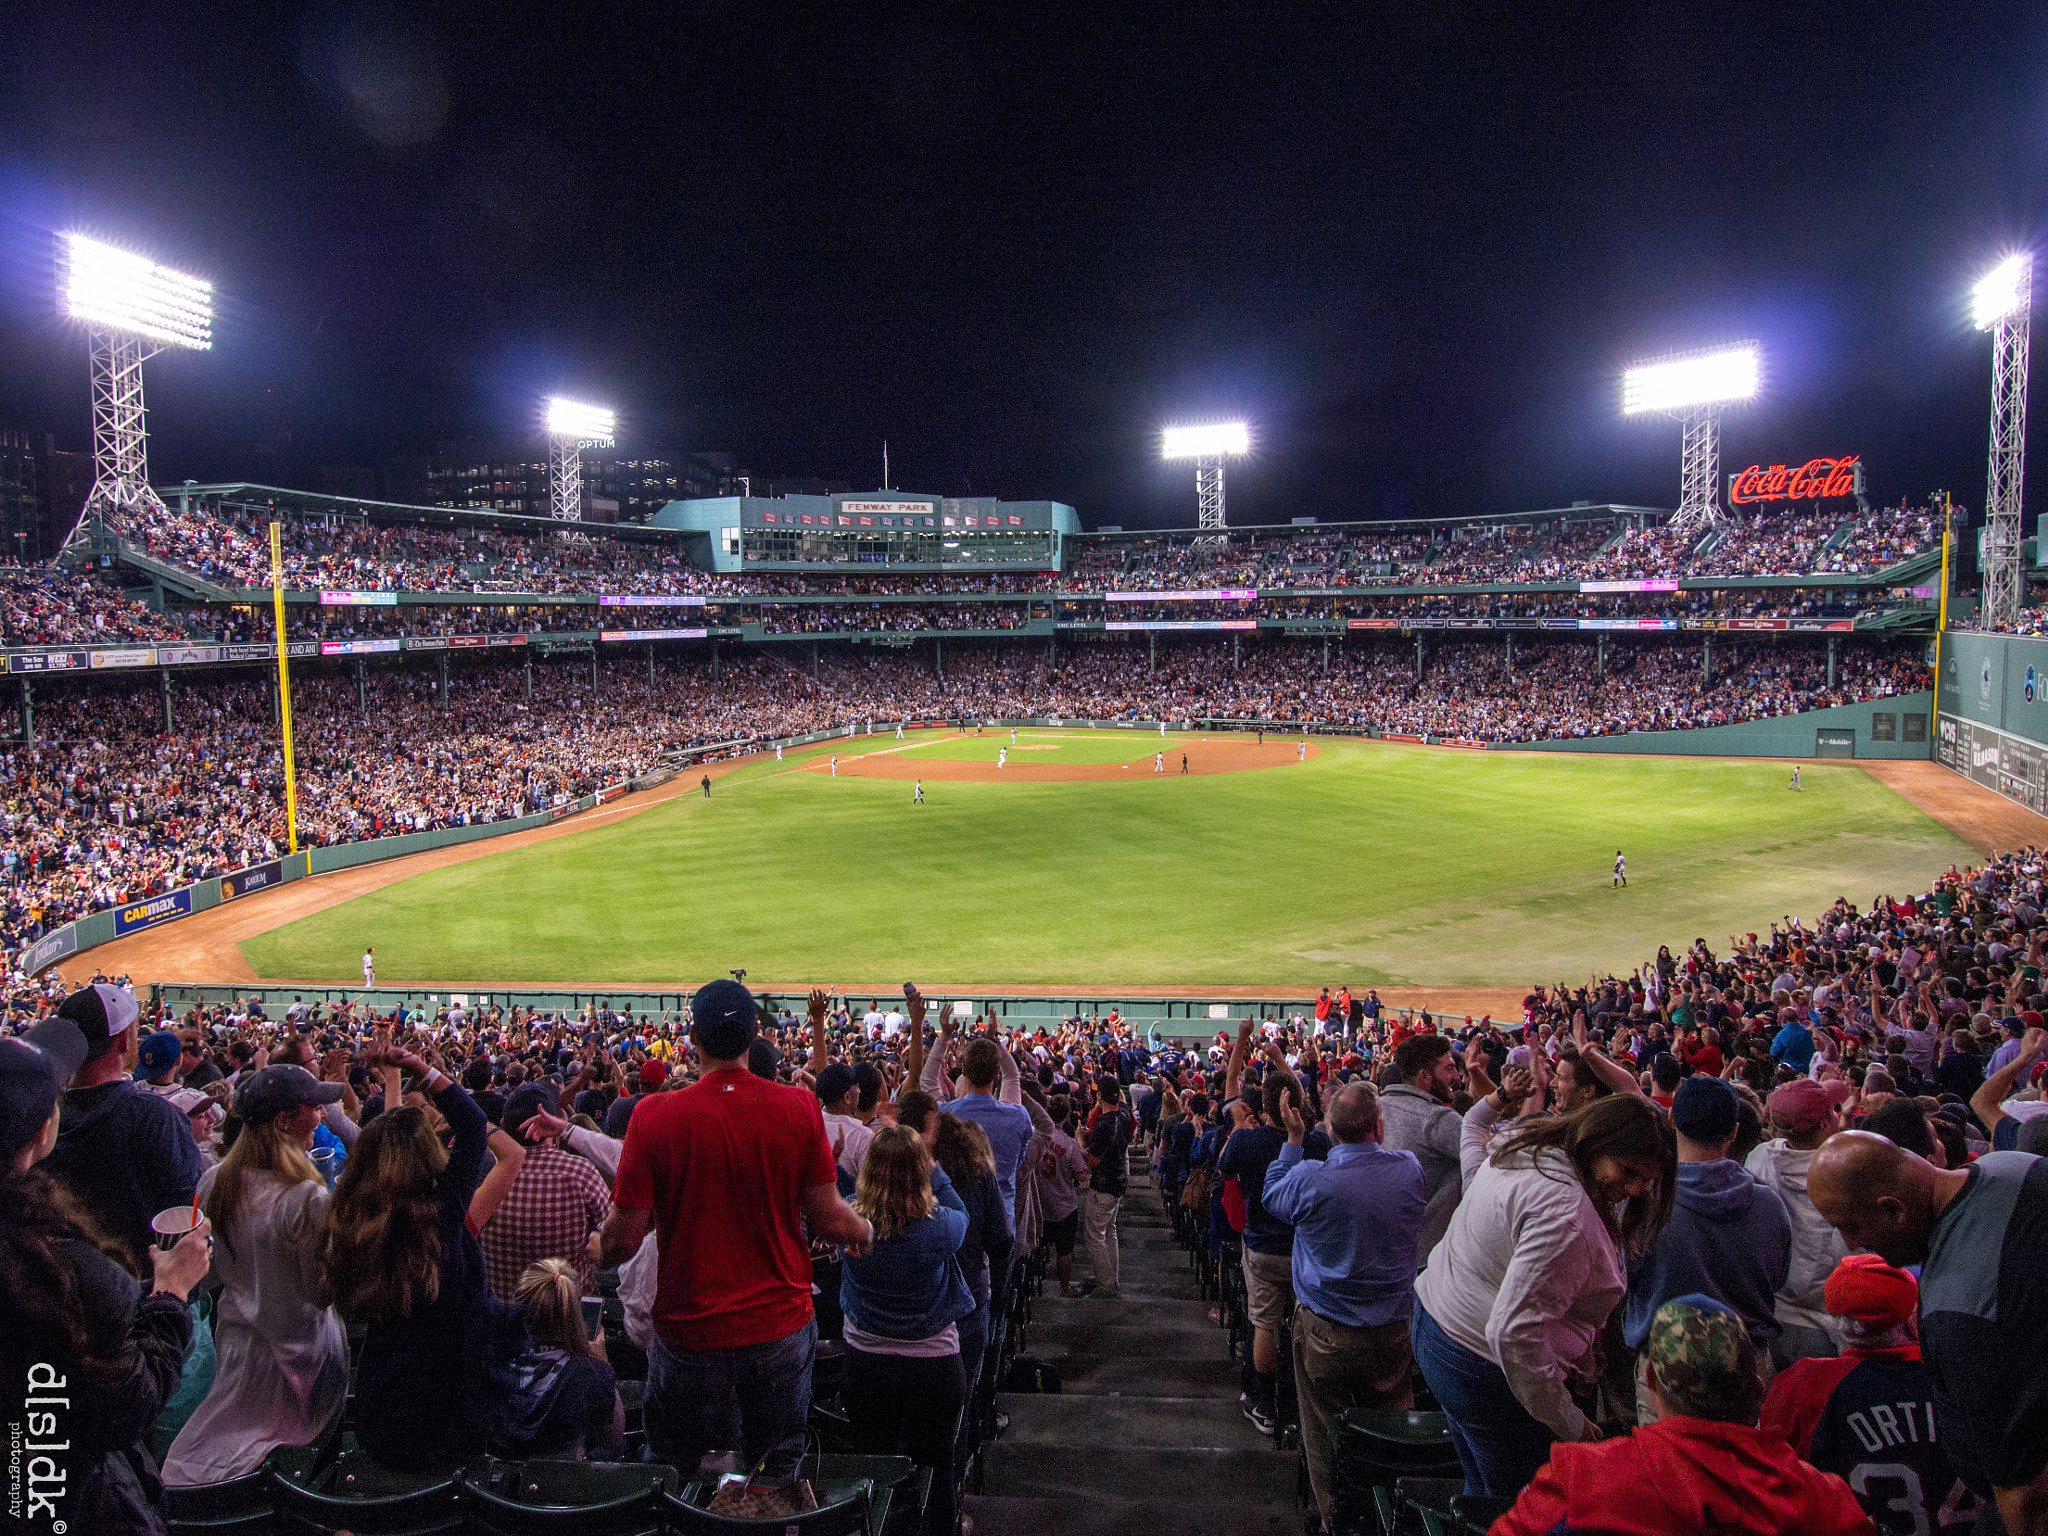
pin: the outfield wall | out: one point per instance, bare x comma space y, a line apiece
1883, 728
1994, 713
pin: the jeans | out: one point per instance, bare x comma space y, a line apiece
1500, 1444
899, 1405
1098, 1235
691, 1395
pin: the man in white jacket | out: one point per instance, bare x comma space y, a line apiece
1803, 1115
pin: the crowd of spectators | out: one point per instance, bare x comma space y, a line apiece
232, 549
52, 606
1747, 1240
106, 807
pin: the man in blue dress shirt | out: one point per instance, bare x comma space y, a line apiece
1357, 1218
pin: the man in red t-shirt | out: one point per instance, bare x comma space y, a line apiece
723, 1170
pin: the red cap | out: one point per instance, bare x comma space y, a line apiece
1799, 1106
653, 1073
1866, 1288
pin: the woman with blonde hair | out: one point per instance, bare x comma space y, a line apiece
557, 1397
402, 1257
903, 1303
281, 1376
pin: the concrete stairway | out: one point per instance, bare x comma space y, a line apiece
1146, 1438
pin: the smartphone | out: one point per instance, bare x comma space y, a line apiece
910, 989
593, 1316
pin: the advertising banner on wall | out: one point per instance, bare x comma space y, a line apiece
1205, 595
358, 647
1179, 624
185, 655
246, 882
129, 656
358, 599
48, 661
51, 947
652, 634
1660, 584
269, 652
658, 600
158, 909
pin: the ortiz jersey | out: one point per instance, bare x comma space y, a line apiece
1868, 1417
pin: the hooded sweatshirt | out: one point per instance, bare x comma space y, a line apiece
1816, 1247
1684, 1474
124, 1153
1729, 1238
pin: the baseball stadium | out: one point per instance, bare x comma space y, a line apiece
966, 743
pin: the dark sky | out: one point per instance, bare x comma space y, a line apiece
1413, 248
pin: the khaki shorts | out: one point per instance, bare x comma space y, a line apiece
1268, 1288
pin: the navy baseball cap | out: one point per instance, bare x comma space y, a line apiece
34, 1070
722, 1014
262, 1096
835, 1082
159, 1053
1704, 1109
527, 1100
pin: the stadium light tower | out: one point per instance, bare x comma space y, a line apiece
1695, 387
571, 429
1208, 446
132, 309
2002, 303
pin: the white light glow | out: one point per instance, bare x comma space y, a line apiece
104, 285
1210, 442
585, 423
2007, 287
1701, 378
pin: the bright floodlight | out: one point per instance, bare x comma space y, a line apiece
2004, 289
1700, 378
584, 423
122, 291
1229, 437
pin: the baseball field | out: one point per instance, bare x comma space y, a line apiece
1075, 863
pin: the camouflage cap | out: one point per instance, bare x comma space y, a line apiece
1705, 1362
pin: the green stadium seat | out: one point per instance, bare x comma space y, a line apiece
569, 1498
357, 1495
239, 1504
1374, 1448
1473, 1514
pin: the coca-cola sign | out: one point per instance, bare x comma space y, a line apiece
1815, 480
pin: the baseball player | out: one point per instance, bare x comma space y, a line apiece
1620, 869
835, 765
1013, 735
1002, 756
778, 751
1159, 762
1301, 753
899, 730
1795, 775
370, 966
918, 797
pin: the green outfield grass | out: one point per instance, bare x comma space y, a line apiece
1373, 863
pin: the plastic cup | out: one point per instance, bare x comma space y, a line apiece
167, 1227
323, 1164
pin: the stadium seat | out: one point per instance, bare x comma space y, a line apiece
1423, 1504
862, 1510
907, 1486
573, 1498
1375, 1447
239, 1504
358, 1496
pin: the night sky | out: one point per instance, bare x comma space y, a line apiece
1413, 248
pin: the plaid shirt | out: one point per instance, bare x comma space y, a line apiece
553, 1206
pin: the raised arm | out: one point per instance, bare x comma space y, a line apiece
1986, 1102
1233, 1075
820, 1052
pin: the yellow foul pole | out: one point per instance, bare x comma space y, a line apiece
284, 689
1940, 629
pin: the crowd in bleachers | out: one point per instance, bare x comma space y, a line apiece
51, 606
232, 548
1673, 1251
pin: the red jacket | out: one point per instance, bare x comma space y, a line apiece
1683, 1477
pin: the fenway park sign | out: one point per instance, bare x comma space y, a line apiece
1815, 480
